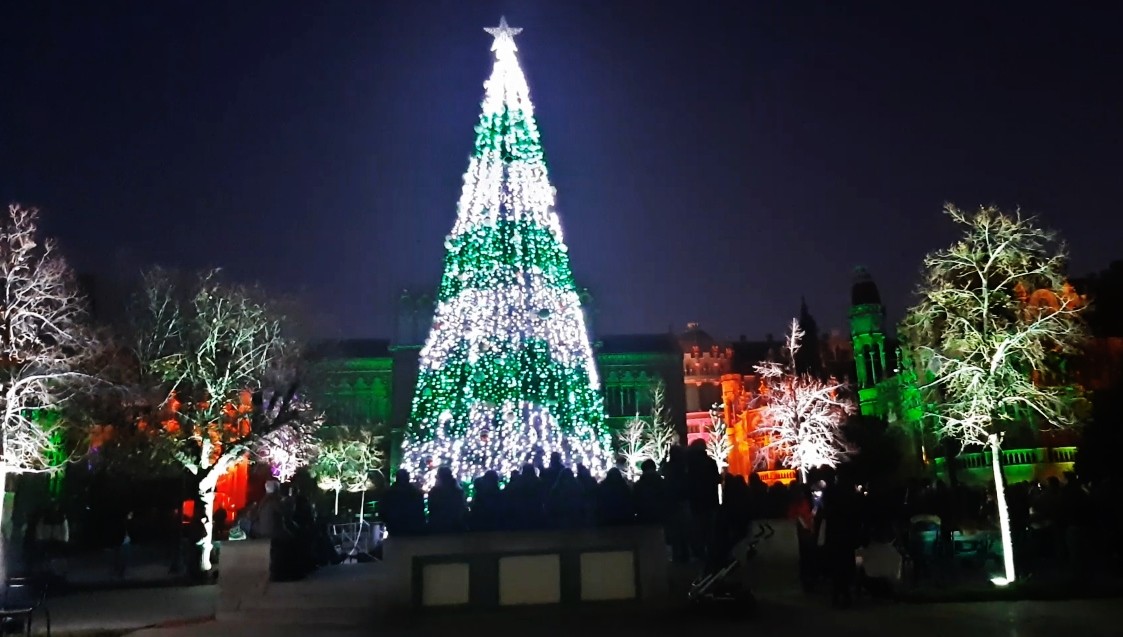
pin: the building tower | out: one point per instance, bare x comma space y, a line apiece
867, 331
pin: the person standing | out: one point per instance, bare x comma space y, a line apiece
124, 546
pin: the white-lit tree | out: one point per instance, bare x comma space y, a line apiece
718, 444
802, 420
211, 354
291, 446
660, 433
635, 446
347, 456
994, 322
45, 341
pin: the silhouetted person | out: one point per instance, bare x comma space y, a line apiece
509, 502
446, 504
736, 505
403, 507
487, 506
802, 514
588, 486
263, 519
614, 500
678, 497
551, 472
528, 498
565, 504
126, 535
703, 479
650, 495
842, 514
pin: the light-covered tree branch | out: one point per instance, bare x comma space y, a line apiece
802, 420
995, 322
718, 444
46, 346
222, 376
635, 446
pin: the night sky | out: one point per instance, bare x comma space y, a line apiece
715, 161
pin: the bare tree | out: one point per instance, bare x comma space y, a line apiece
45, 341
996, 317
222, 374
660, 433
803, 418
634, 446
347, 456
718, 444
293, 445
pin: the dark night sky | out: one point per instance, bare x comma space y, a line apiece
714, 160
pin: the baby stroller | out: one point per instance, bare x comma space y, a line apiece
718, 585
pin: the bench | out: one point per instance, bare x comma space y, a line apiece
21, 599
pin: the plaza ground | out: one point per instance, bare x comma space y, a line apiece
343, 600
183, 613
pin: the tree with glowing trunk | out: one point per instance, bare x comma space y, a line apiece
802, 420
718, 444
635, 447
45, 343
347, 456
660, 432
209, 353
995, 319
507, 372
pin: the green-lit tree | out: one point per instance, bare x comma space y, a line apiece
507, 371
994, 321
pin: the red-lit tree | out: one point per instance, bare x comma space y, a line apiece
211, 354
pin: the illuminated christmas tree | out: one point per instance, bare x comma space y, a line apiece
507, 373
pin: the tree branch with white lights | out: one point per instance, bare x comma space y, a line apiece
995, 321
635, 446
223, 380
660, 433
802, 421
347, 456
718, 444
45, 345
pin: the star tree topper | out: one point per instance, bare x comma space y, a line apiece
504, 36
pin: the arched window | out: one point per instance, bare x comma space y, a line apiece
867, 369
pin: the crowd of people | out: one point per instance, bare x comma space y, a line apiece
851, 536
941, 530
682, 496
299, 540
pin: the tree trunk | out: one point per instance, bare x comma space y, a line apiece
1003, 511
206, 543
206, 493
337, 502
3, 538
802, 475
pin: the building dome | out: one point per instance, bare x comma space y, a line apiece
864, 291
696, 337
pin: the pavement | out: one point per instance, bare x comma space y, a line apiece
334, 603
126, 610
